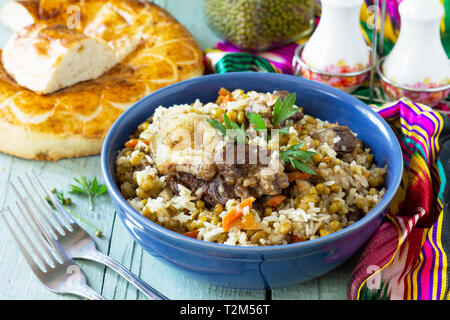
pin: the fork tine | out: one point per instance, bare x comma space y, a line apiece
22, 200
54, 231
38, 235
22, 248
62, 212
64, 225
50, 239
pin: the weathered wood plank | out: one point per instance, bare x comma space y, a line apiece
331, 286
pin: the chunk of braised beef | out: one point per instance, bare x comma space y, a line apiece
347, 140
252, 171
282, 94
242, 171
315, 179
296, 117
214, 191
353, 215
340, 138
218, 191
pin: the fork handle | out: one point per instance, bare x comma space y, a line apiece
87, 292
148, 291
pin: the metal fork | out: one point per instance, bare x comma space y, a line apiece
78, 243
52, 266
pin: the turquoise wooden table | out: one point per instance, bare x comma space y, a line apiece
18, 282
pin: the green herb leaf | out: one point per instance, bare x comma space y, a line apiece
301, 166
101, 190
257, 120
240, 135
75, 189
89, 188
284, 109
228, 123
94, 186
298, 158
216, 124
230, 129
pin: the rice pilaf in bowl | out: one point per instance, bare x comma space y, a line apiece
249, 169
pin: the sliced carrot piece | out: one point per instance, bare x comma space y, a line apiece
230, 218
191, 234
228, 98
297, 175
235, 213
224, 92
133, 143
247, 222
247, 203
276, 201
225, 95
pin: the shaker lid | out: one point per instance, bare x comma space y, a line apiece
421, 9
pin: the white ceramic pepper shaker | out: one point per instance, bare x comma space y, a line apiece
337, 45
418, 59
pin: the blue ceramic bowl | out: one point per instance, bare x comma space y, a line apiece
257, 267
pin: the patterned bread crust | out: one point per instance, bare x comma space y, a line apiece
73, 122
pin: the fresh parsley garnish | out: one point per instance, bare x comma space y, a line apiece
89, 188
257, 120
230, 129
216, 124
284, 109
298, 158
65, 203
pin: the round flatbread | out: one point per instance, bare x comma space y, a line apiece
73, 122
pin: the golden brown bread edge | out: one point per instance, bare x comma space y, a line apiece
74, 122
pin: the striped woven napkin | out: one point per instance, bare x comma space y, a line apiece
407, 257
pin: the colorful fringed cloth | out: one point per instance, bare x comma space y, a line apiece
407, 257
227, 58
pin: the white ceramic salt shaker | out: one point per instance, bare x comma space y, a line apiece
418, 59
337, 45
